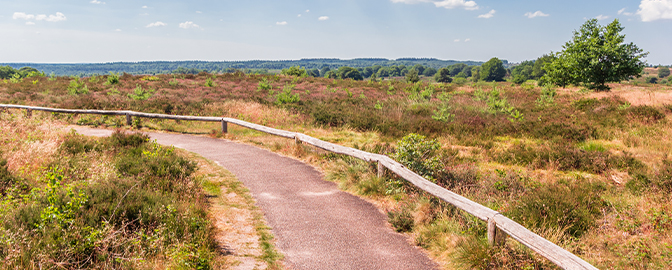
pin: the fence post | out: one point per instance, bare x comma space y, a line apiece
381, 169
297, 140
495, 235
29, 113
129, 120
225, 127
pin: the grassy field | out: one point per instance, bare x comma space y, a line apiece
588, 171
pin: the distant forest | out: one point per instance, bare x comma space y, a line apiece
253, 66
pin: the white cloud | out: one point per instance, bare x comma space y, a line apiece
651, 10
188, 24
281, 23
117, 30
96, 2
307, 10
488, 15
30, 23
199, 12
449, 4
601, 17
155, 24
323, 18
537, 13
40, 17
144, 7
457, 40
467, 40
22, 15
622, 11
299, 15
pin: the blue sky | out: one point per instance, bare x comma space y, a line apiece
90, 31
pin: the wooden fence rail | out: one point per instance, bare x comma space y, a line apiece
498, 225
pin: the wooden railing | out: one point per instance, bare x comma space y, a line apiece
498, 225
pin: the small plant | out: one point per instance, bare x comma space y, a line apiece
35, 82
378, 106
547, 96
401, 219
113, 91
347, 91
16, 78
150, 78
442, 113
264, 85
173, 82
76, 87
94, 79
286, 96
112, 79
210, 83
419, 155
140, 93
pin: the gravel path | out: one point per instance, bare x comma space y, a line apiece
316, 225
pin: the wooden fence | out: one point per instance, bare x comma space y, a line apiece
499, 226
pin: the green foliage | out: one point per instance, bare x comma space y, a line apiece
663, 178
498, 104
297, 71
349, 73
209, 82
401, 219
412, 76
420, 155
150, 78
112, 79
523, 72
443, 76
547, 96
58, 212
429, 72
264, 85
651, 80
663, 72
173, 82
140, 93
571, 206
595, 56
493, 70
286, 96
442, 112
76, 87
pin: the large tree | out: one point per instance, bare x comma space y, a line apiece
596, 55
349, 73
493, 70
443, 76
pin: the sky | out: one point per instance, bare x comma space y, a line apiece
94, 31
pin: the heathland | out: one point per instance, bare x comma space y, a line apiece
587, 170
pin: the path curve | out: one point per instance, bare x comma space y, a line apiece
316, 226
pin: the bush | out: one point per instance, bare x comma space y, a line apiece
663, 178
571, 206
113, 78
652, 80
646, 113
401, 219
419, 155
297, 71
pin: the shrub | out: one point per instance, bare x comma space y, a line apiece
76, 87
286, 96
75, 144
113, 78
140, 93
663, 72
651, 80
663, 178
571, 206
295, 71
646, 113
401, 219
120, 139
419, 155
210, 83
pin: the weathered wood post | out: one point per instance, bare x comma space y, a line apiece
296, 139
225, 127
129, 120
495, 235
381, 169
29, 113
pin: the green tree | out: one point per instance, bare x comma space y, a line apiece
349, 73
412, 76
295, 71
420, 68
522, 72
331, 74
663, 71
493, 70
596, 55
538, 68
429, 72
443, 75
475, 73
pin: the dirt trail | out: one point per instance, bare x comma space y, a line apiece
316, 225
